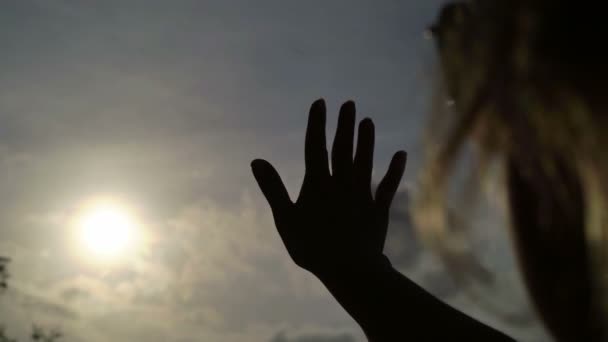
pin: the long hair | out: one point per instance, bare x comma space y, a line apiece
526, 79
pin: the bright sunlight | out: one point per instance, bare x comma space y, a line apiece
107, 230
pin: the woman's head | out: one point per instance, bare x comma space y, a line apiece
526, 79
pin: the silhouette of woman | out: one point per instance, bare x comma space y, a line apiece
526, 79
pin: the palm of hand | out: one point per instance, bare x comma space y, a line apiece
335, 222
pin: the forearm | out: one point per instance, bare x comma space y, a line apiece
390, 307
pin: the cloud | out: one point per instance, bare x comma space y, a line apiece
402, 245
213, 271
42, 305
492, 284
408, 254
166, 103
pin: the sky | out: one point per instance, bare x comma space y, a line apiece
162, 105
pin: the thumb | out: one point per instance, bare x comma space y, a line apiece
389, 184
272, 187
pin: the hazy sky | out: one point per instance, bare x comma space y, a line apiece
163, 104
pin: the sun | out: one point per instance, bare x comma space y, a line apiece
107, 230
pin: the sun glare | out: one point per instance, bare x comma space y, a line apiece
107, 230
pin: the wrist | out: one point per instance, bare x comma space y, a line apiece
364, 267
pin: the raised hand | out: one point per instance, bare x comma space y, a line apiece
336, 230
335, 222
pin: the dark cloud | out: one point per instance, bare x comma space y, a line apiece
282, 337
402, 245
404, 248
484, 276
42, 305
450, 274
440, 284
73, 293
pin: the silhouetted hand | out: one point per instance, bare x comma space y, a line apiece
335, 222
336, 230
